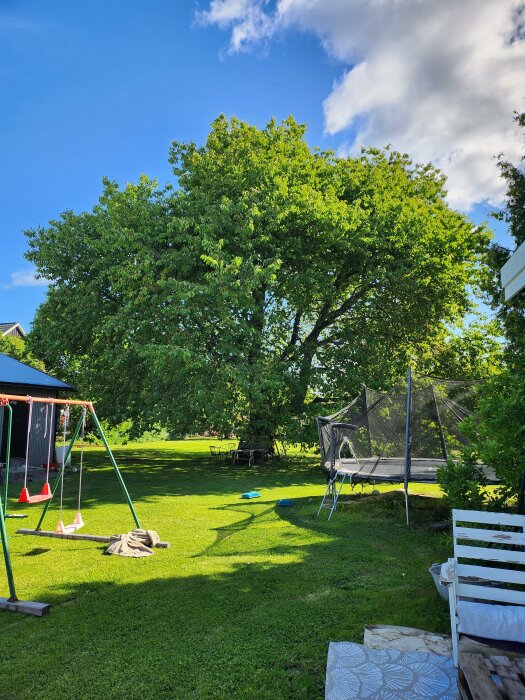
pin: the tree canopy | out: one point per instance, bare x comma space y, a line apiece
17, 348
272, 278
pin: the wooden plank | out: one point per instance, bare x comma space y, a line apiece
475, 675
478, 516
509, 677
520, 664
488, 554
499, 659
488, 663
79, 536
462, 687
498, 536
27, 607
490, 574
503, 595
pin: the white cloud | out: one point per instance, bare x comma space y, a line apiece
27, 278
439, 80
250, 23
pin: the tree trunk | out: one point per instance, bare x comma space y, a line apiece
257, 429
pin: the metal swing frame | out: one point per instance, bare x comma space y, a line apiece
13, 603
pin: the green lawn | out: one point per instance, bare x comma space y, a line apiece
244, 603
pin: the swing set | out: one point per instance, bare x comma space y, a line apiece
48, 492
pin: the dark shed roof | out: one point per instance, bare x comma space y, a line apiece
14, 372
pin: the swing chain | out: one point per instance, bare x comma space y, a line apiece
29, 420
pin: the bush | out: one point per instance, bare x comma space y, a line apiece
463, 482
498, 433
120, 434
465, 486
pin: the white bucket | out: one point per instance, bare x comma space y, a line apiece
60, 451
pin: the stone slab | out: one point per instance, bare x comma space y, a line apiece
407, 639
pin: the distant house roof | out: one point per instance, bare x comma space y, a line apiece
14, 372
12, 328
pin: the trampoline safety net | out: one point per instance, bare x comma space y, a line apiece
401, 435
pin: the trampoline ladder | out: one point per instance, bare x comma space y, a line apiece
332, 493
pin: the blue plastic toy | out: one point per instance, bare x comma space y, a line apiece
285, 502
251, 494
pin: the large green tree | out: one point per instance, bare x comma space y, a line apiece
274, 277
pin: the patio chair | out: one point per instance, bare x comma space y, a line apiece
216, 454
486, 580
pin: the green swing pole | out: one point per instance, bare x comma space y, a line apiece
59, 475
7, 557
114, 464
3, 509
7, 454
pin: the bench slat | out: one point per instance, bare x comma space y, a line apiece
503, 595
477, 516
498, 536
489, 554
490, 574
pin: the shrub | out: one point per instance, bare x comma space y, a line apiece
465, 486
463, 482
122, 433
498, 433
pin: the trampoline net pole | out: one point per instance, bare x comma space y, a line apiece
440, 425
408, 440
367, 420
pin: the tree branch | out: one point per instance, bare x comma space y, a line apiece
331, 399
296, 328
294, 337
329, 318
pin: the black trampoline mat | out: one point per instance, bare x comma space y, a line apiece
392, 469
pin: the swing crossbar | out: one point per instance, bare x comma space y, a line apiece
106, 539
42, 399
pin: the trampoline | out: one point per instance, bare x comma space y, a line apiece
400, 436
391, 469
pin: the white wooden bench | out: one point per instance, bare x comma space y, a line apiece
481, 551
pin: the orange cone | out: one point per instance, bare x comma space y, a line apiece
46, 489
60, 528
78, 519
24, 495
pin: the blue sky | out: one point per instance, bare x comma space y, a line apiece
102, 88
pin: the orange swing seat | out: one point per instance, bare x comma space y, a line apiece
45, 495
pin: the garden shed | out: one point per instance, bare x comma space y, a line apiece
19, 378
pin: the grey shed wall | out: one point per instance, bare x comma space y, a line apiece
38, 445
